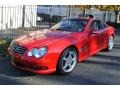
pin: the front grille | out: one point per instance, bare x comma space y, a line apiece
17, 48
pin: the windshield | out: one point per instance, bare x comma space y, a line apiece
73, 25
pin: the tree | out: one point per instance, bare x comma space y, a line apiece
84, 7
114, 8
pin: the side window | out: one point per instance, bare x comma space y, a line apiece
104, 25
101, 25
93, 26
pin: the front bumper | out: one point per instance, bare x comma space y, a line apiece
38, 67
49, 71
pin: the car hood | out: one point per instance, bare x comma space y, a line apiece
41, 37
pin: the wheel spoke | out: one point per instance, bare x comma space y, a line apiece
70, 66
73, 59
70, 55
65, 59
65, 66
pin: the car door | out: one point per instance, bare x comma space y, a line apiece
102, 34
94, 39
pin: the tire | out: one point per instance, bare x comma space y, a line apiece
67, 61
110, 43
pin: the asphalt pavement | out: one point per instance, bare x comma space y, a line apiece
102, 68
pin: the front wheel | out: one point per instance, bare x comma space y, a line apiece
67, 61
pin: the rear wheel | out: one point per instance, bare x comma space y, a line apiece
67, 61
110, 43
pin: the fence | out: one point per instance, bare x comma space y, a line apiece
16, 20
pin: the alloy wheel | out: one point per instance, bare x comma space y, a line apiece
110, 43
69, 61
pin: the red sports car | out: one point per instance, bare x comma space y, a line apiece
59, 48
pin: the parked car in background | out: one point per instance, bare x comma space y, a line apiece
61, 47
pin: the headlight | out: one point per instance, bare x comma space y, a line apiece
37, 52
